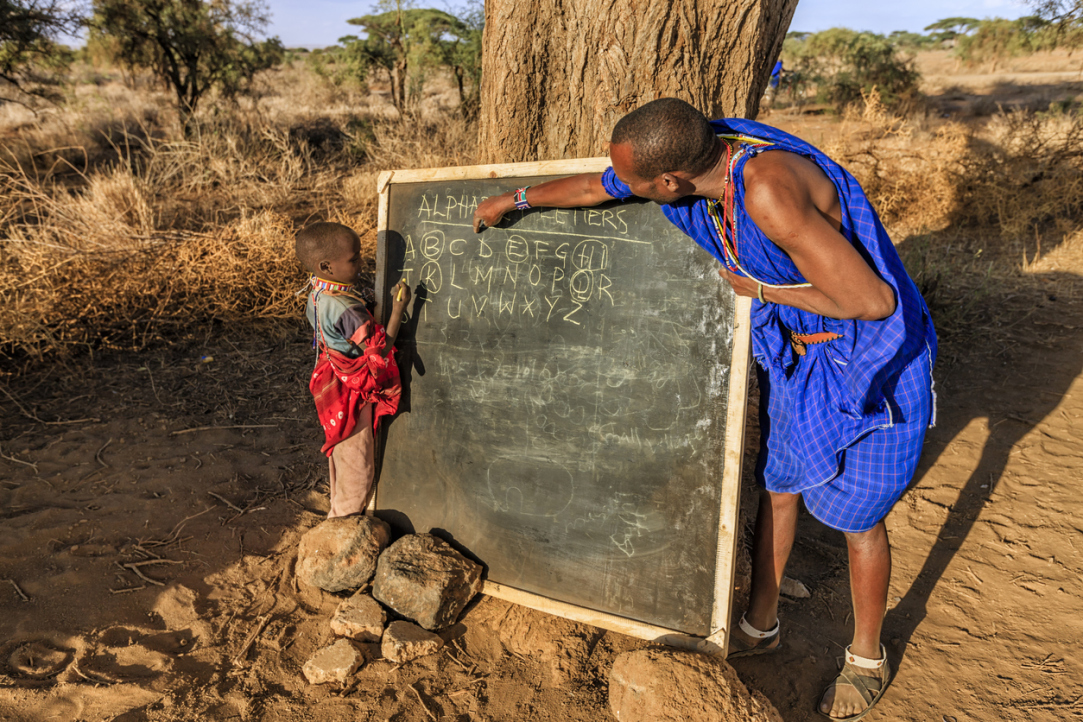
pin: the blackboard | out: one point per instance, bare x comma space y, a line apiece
574, 393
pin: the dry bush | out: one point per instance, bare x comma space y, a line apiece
1022, 170
118, 231
970, 206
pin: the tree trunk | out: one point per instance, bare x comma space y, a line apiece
558, 74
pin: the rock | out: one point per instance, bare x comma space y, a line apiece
360, 617
404, 642
341, 553
422, 578
664, 685
334, 663
794, 588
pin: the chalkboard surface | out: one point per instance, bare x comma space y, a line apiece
566, 383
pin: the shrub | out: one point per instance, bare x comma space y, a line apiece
844, 64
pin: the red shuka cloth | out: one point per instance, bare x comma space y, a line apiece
342, 385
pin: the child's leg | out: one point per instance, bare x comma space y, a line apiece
352, 469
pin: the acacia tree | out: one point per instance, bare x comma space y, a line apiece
28, 39
1066, 16
194, 46
949, 29
557, 74
407, 42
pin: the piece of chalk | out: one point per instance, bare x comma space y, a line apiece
398, 297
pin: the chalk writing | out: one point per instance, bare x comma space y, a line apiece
565, 398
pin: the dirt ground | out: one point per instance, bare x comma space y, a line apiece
150, 507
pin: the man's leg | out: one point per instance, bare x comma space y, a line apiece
870, 572
772, 540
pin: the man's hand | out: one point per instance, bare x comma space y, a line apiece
742, 285
491, 210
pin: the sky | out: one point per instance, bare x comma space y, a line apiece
318, 23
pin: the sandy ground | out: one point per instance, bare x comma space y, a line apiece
150, 507
150, 550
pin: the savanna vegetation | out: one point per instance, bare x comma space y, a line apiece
146, 199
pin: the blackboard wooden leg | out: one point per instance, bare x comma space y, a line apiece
730, 496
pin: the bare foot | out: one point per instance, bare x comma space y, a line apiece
842, 699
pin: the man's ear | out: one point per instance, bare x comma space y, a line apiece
671, 182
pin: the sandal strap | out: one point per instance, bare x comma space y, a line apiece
864, 662
857, 681
757, 634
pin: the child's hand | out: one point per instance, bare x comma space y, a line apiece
400, 294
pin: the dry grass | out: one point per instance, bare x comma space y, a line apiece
971, 205
1018, 171
116, 231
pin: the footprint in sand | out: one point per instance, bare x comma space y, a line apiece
125, 654
38, 659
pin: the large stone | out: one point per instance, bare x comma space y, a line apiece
334, 663
404, 642
663, 685
360, 617
341, 553
422, 578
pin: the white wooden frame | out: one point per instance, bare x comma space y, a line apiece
717, 641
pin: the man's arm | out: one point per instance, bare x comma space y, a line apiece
796, 205
577, 191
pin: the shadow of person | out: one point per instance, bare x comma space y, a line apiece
409, 363
1011, 377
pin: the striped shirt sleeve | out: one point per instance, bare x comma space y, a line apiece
614, 186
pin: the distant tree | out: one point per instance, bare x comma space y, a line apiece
194, 46
911, 41
845, 64
454, 42
950, 28
1065, 17
28, 40
996, 39
408, 42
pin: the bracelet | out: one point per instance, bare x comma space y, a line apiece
759, 292
520, 199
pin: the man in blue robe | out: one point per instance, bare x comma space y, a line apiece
842, 338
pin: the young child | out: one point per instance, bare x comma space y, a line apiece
355, 381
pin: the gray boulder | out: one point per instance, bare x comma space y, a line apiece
339, 554
422, 578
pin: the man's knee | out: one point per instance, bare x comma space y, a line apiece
868, 538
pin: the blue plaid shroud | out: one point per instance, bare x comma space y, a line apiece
844, 424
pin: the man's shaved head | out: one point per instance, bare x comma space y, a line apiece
321, 242
666, 135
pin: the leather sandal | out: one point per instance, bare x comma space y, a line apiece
855, 674
762, 645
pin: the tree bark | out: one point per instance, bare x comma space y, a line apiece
558, 74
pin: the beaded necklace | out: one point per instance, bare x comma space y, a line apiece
322, 284
726, 223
